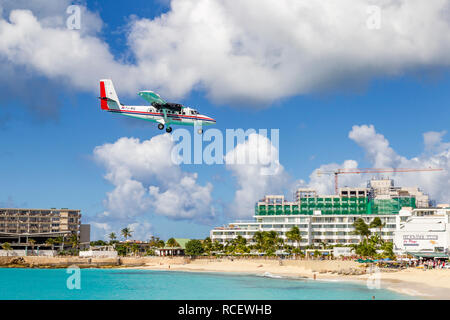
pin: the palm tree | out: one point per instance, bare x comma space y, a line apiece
74, 240
376, 223
112, 237
361, 228
207, 245
240, 245
50, 242
258, 238
135, 248
294, 236
217, 246
172, 243
32, 243
126, 232
6, 246
60, 240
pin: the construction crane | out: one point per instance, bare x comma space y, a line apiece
337, 172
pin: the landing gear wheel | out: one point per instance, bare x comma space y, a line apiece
200, 131
169, 129
160, 126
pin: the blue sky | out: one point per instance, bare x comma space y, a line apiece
49, 162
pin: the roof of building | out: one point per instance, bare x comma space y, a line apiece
428, 254
181, 241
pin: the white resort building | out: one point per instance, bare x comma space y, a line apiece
329, 219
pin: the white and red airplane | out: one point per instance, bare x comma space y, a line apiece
160, 111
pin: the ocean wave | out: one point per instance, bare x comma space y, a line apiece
270, 275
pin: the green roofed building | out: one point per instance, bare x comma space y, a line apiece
328, 218
173, 251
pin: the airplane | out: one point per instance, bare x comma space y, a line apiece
160, 111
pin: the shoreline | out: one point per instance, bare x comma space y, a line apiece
388, 281
419, 284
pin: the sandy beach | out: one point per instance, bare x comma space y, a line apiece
428, 284
418, 283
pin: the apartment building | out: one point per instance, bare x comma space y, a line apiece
17, 225
327, 218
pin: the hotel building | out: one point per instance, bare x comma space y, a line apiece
328, 218
423, 231
18, 225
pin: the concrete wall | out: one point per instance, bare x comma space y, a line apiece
23, 253
98, 254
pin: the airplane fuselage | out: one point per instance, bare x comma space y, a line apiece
160, 111
186, 116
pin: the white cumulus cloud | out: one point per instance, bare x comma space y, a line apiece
146, 182
254, 179
248, 51
380, 154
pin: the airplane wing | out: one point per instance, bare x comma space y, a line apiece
152, 97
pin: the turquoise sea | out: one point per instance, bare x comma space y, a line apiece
41, 284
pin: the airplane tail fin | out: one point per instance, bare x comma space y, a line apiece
108, 96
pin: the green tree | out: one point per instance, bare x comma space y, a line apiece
50, 242
217, 246
156, 242
7, 247
240, 245
60, 240
194, 247
365, 248
98, 243
112, 236
160, 244
74, 241
270, 242
126, 233
258, 239
388, 250
32, 242
135, 248
207, 245
172, 243
294, 236
230, 247
361, 228
376, 223
121, 249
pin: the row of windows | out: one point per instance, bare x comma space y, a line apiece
342, 233
191, 112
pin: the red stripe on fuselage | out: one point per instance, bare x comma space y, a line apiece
103, 103
160, 114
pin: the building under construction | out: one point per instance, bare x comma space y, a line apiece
328, 218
